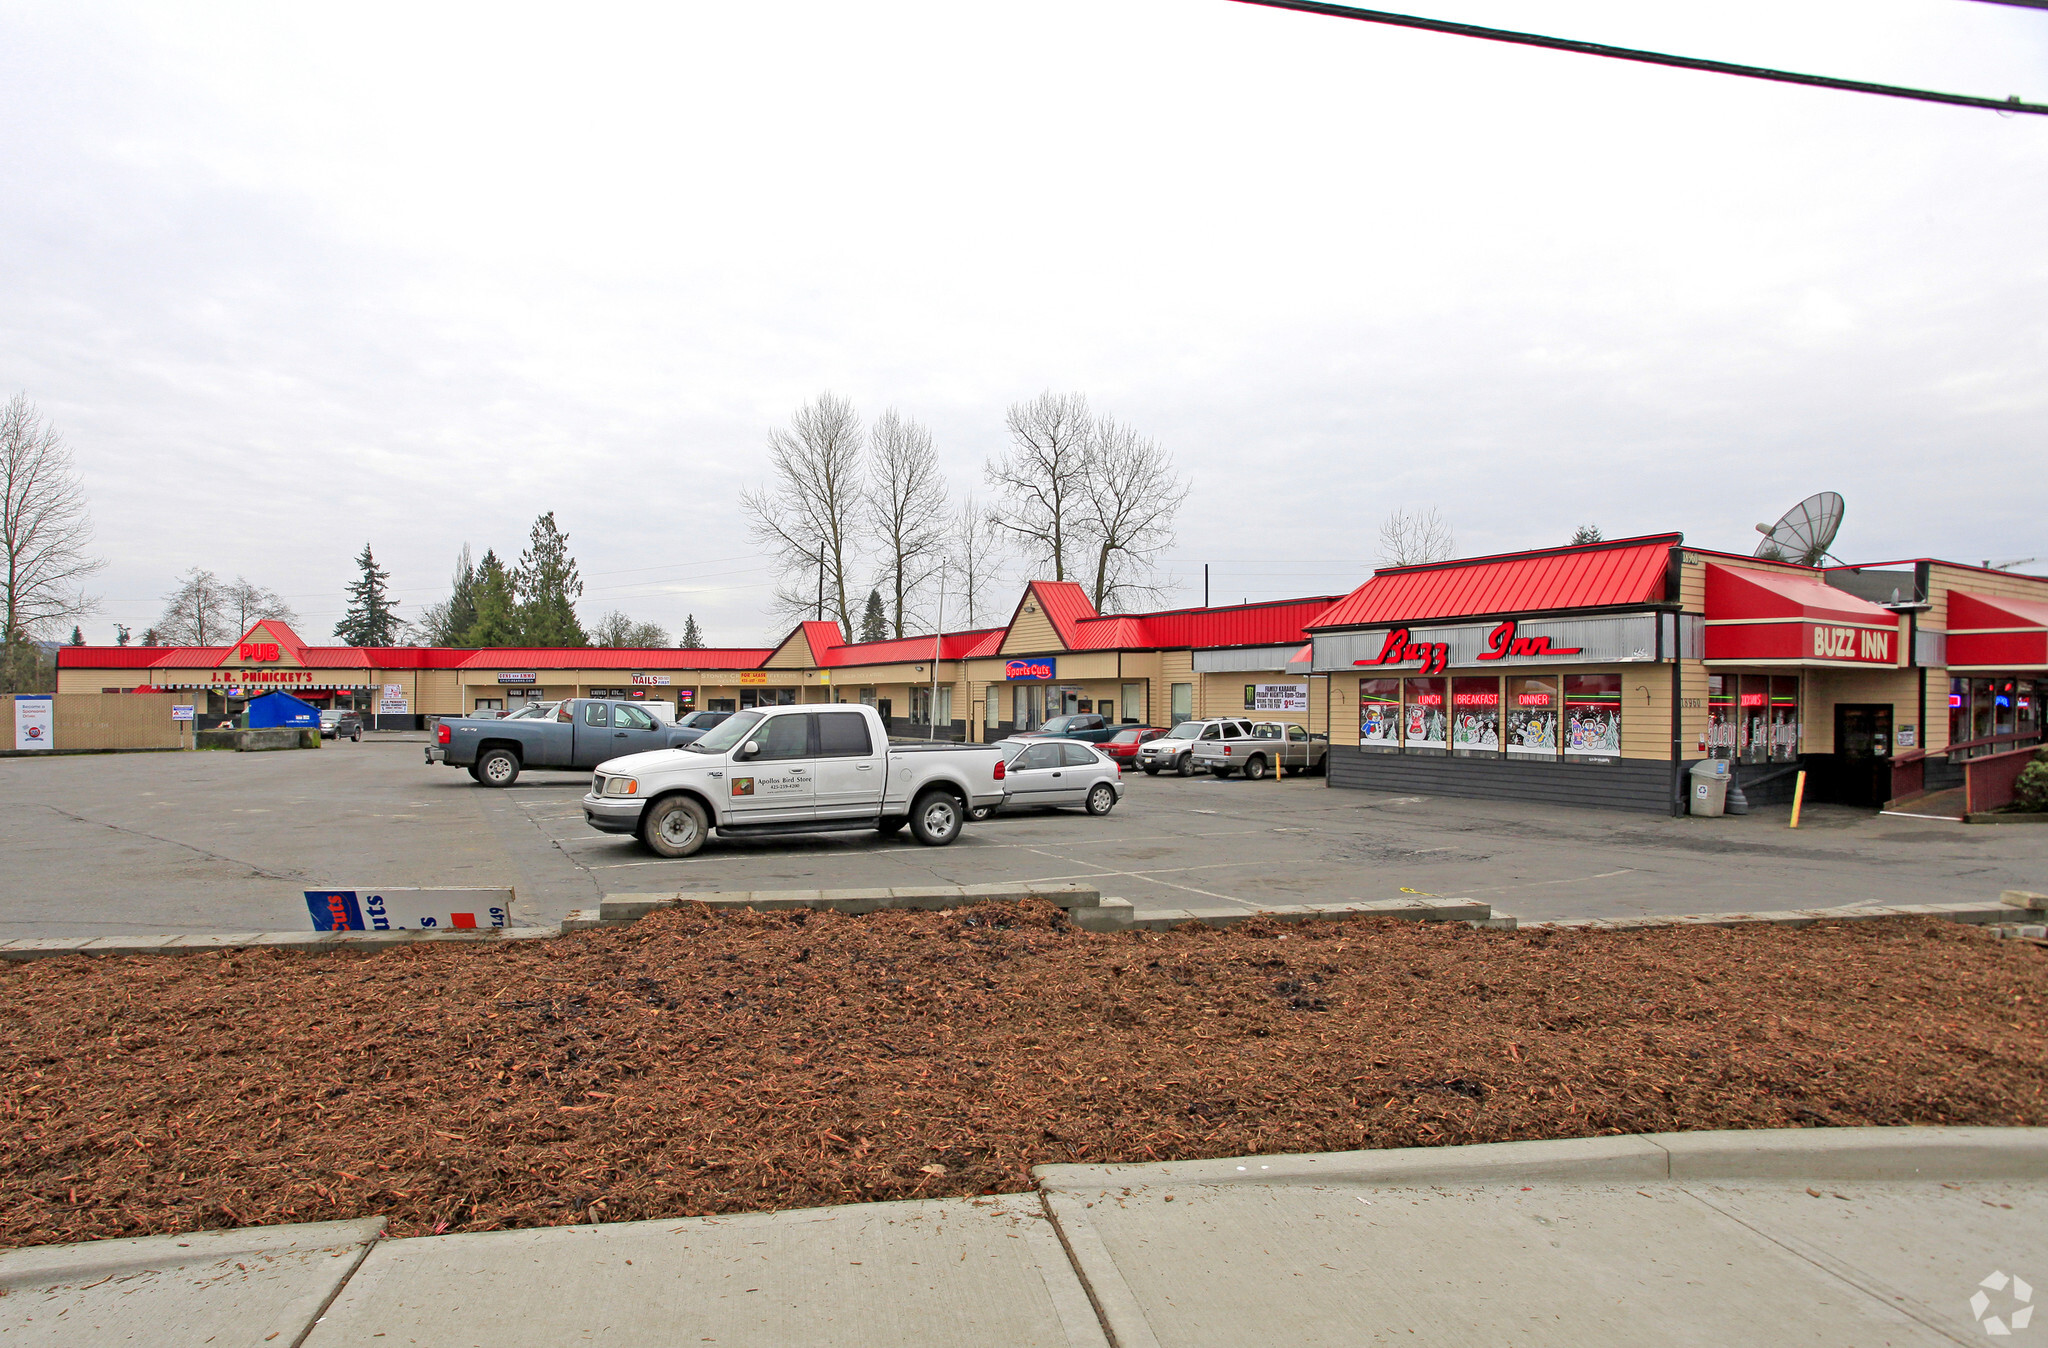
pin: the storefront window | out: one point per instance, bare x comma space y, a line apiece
1980, 708
2026, 704
1592, 718
1958, 710
1134, 703
1784, 718
1379, 715
1425, 719
1723, 716
2002, 705
1475, 717
1183, 703
1532, 709
1754, 716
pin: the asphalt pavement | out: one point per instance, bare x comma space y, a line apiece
133, 844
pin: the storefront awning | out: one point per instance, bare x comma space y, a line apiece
1770, 617
1996, 634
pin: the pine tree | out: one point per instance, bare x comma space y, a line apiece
497, 615
874, 620
151, 637
1586, 533
370, 620
77, 636
693, 635
120, 634
548, 588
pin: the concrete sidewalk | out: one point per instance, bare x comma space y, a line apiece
1827, 1236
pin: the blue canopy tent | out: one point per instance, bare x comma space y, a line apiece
274, 710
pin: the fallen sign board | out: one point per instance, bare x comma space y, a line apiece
401, 909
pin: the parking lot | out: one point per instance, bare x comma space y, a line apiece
122, 844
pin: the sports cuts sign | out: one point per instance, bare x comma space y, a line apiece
1503, 643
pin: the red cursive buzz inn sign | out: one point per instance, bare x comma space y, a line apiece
1435, 656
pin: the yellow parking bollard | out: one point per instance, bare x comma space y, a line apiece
1798, 797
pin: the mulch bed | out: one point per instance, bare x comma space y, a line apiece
704, 1063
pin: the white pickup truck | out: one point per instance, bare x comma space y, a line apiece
794, 770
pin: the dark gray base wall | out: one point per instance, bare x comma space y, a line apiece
1632, 784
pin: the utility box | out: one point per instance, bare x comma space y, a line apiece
1709, 781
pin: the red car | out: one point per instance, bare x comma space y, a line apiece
1123, 745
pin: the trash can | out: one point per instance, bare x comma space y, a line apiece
1710, 787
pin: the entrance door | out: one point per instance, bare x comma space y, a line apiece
1863, 753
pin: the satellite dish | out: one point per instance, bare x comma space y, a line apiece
1806, 532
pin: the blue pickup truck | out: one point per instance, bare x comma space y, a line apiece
582, 732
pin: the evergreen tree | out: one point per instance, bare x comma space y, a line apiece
548, 588
874, 621
77, 636
693, 635
497, 607
370, 620
151, 637
120, 634
1586, 533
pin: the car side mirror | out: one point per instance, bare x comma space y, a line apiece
750, 748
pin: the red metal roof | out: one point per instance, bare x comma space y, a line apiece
1739, 593
109, 657
1065, 604
899, 650
1600, 575
1277, 623
603, 657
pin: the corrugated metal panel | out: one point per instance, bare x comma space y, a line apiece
1630, 571
1200, 628
108, 657
1065, 604
579, 658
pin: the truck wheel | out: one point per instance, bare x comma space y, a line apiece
1184, 766
1219, 772
498, 767
935, 819
1101, 798
889, 828
1255, 768
674, 827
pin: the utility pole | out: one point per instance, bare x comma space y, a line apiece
938, 638
1205, 585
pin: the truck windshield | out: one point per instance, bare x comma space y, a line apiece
726, 735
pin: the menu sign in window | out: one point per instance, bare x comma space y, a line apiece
1475, 717
1425, 715
1532, 712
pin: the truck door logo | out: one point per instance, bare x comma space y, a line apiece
743, 786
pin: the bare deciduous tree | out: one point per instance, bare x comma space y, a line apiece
1041, 483
251, 603
906, 508
617, 631
1411, 537
809, 509
44, 528
196, 613
1127, 511
974, 558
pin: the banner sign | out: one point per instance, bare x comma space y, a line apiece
181, 713
35, 722
409, 909
391, 706
524, 677
1276, 697
1034, 669
1492, 645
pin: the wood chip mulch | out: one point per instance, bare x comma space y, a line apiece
704, 1063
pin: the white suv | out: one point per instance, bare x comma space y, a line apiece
1174, 751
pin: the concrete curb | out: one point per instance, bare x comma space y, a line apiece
1842, 1154
1083, 904
306, 942
1974, 913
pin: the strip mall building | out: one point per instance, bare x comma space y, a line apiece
1591, 675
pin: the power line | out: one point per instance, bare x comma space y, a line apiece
2012, 104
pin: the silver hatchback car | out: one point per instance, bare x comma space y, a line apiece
1050, 773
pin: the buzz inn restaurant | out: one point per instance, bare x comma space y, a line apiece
1592, 675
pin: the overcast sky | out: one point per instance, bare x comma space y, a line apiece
291, 279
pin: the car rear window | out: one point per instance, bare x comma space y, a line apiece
1077, 756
